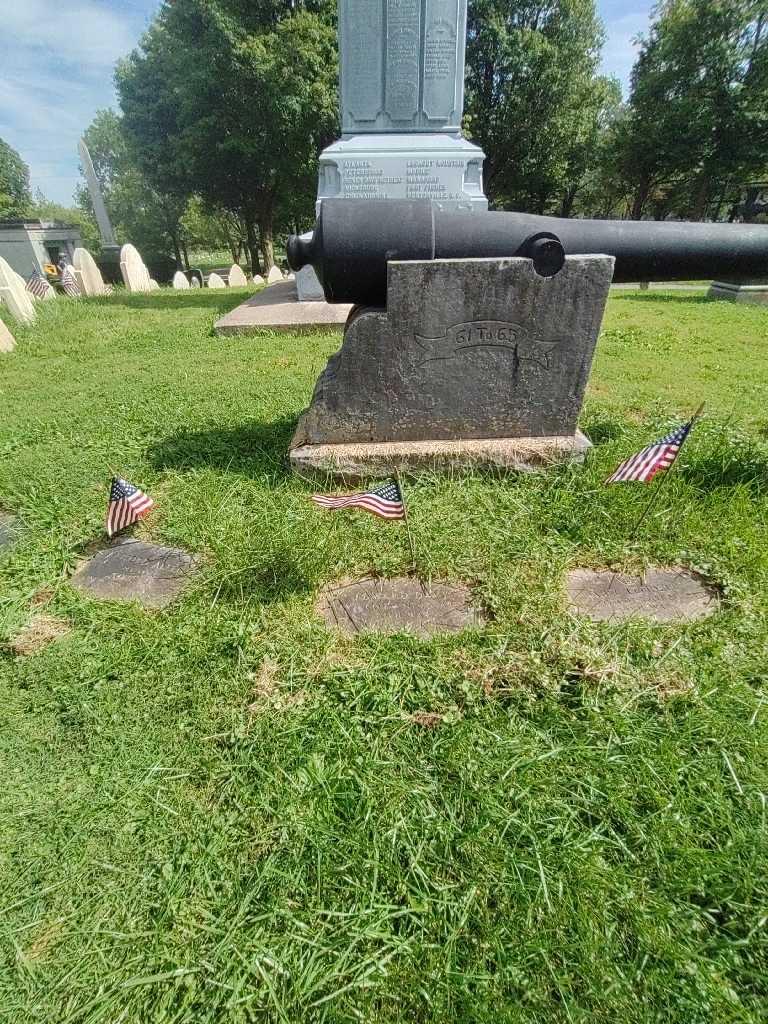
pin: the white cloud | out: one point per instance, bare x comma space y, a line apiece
56, 68
83, 33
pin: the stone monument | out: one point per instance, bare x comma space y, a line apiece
110, 250
402, 100
135, 274
473, 361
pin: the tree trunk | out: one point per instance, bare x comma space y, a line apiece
701, 198
186, 255
266, 246
252, 243
566, 207
639, 201
176, 250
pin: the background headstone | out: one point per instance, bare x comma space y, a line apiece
180, 281
215, 281
13, 292
194, 282
258, 279
7, 340
135, 275
274, 274
87, 274
237, 278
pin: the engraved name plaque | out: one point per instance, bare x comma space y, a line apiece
402, 65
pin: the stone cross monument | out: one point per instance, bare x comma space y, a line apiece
402, 100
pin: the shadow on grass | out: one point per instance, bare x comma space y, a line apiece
687, 298
273, 575
728, 467
219, 300
251, 449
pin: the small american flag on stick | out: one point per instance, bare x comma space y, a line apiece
69, 282
386, 501
38, 285
654, 458
127, 504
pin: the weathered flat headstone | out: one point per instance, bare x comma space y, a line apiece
237, 278
87, 273
135, 275
258, 279
7, 340
275, 274
13, 292
662, 595
399, 605
132, 570
216, 281
180, 281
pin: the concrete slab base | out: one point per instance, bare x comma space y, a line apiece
754, 294
376, 459
277, 308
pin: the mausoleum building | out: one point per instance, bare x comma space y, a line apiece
28, 245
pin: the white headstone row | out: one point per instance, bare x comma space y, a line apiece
135, 274
13, 292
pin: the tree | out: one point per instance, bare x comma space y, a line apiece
698, 112
15, 196
533, 101
139, 212
233, 101
46, 209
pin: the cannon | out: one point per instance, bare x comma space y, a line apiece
354, 240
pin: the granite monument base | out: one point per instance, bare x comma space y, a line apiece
477, 361
754, 292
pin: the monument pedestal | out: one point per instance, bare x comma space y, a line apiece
473, 361
753, 292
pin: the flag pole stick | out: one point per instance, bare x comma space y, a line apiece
655, 496
405, 520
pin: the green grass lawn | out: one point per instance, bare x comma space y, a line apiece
222, 812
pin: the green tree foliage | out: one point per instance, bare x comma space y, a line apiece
15, 196
697, 126
139, 212
45, 209
533, 101
233, 101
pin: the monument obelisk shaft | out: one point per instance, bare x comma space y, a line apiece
99, 209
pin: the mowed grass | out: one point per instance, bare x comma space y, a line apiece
222, 812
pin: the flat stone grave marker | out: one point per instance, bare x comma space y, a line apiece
215, 281
662, 595
399, 605
7, 340
133, 570
237, 278
180, 281
13, 292
87, 274
275, 274
135, 275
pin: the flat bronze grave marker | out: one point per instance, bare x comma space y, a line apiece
662, 595
131, 570
399, 605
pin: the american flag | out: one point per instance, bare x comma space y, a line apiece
127, 504
69, 282
386, 501
651, 460
38, 285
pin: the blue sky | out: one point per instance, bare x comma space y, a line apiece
57, 58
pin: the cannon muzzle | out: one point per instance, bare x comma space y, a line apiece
354, 240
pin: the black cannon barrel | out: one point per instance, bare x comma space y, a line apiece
353, 241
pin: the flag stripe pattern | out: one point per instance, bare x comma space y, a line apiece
38, 285
386, 501
651, 460
68, 282
127, 504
